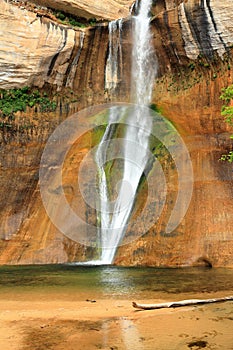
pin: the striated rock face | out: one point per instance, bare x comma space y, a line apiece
37, 51
206, 26
33, 50
193, 42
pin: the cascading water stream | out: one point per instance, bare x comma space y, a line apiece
114, 217
114, 60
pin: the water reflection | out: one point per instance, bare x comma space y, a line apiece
130, 335
121, 333
115, 282
125, 281
105, 331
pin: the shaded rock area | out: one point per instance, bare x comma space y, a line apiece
193, 41
109, 9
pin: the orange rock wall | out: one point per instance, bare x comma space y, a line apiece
187, 92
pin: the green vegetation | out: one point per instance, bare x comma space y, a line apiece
215, 75
74, 21
191, 66
227, 113
228, 157
14, 100
97, 134
155, 108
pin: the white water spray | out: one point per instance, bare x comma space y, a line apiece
114, 217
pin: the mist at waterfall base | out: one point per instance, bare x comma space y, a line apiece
114, 218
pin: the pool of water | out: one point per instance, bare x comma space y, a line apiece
78, 282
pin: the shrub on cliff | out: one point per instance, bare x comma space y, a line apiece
227, 113
14, 100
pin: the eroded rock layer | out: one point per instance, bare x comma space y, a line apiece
110, 9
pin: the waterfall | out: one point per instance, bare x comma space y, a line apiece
114, 60
144, 64
114, 216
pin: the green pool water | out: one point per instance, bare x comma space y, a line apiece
77, 282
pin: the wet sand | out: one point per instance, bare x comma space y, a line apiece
34, 323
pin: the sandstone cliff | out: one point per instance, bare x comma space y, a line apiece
110, 9
193, 41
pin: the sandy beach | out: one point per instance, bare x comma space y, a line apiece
57, 324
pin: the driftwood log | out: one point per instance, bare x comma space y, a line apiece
174, 304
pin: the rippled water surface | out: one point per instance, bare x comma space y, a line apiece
76, 282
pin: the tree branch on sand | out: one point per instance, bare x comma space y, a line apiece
174, 304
